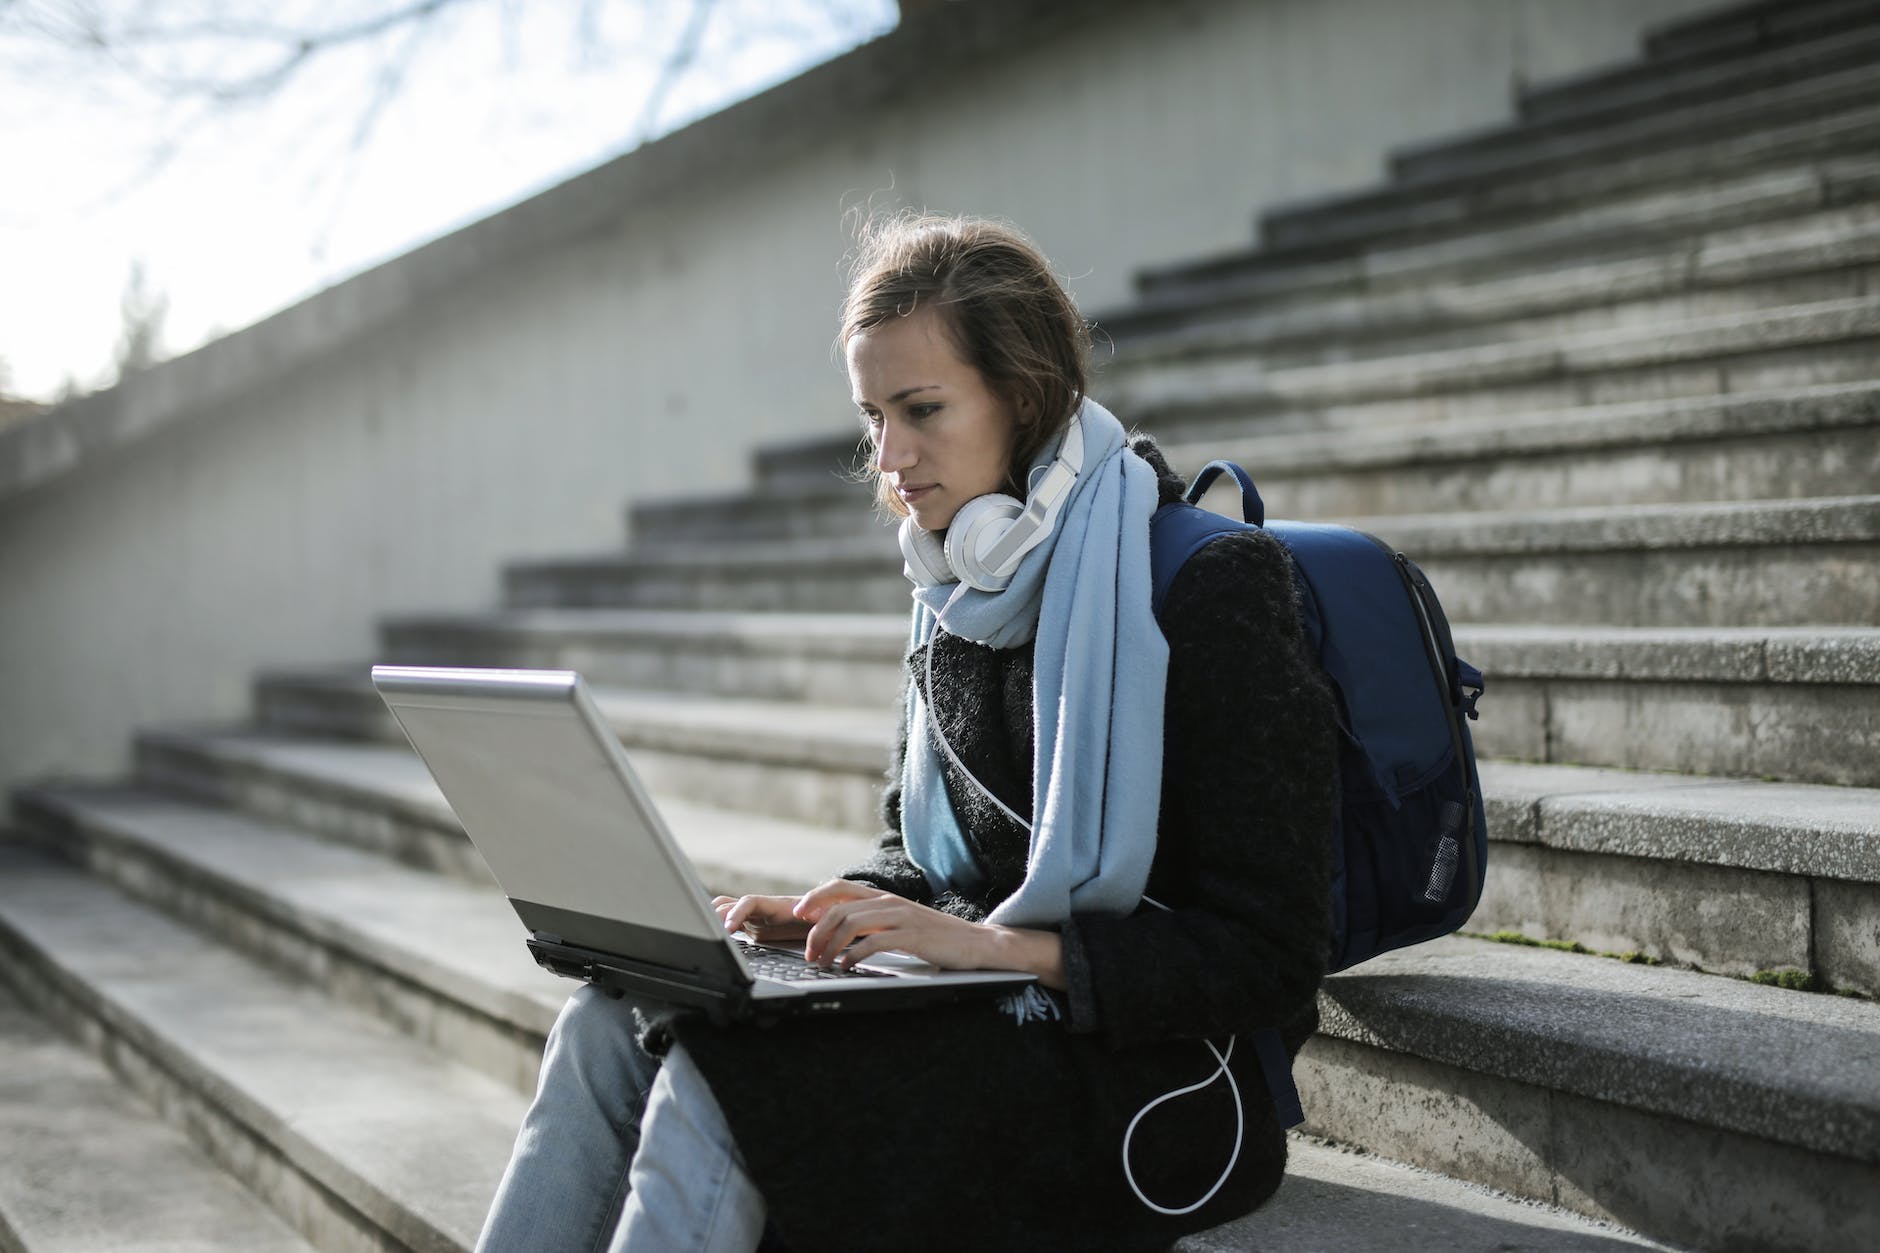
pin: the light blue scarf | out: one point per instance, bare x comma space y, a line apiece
1099, 669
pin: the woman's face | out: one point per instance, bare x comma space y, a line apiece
941, 435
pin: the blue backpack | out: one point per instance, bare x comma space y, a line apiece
1410, 839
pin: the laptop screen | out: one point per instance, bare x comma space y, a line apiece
546, 794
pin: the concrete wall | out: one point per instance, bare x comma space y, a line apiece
504, 392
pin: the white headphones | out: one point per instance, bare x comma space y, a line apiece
990, 535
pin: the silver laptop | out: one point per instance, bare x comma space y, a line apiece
546, 793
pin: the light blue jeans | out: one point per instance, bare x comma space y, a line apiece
619, 1152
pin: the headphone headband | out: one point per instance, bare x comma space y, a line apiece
990, 535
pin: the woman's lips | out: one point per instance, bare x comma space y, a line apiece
911, 494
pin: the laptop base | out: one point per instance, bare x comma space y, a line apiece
621, 976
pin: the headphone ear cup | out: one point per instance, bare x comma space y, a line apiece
925, 556
980, 523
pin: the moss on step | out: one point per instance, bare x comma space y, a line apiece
1631, 956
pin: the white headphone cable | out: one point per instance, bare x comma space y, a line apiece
1240, 1117
933, 721
1240, 1131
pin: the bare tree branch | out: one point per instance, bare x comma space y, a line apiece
80, 28
675, 67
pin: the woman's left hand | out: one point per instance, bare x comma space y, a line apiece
849, 931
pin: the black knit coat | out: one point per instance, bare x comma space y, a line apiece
955, 1127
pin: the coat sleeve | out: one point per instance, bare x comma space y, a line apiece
1244, 840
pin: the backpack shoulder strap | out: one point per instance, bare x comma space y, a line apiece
1180, 529
1177, 531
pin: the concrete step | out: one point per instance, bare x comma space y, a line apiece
439, 958
1804, 345
794, 508
819, 462
1726, 875
1367, 241
1781, 704
821, 765
828, 659
1764, 562
1677, 102
1604, 97
1706, 270
1532, 258
360, 1136
1786, 444
860, 573
1731, 28
1702, 1111
85, 1167
1619, 860
340, 703
1792, 702
1737, 38
1337, 1201
1801, 862
1789, 443
379, 797
1515, 153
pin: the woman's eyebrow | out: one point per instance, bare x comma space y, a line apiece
862, 402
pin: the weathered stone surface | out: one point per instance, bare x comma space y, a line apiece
381, 798
1754, 584
1404, 1106
1258, 275
372, 796
1512, 376
1735, 227
87, 1168
1850, 520
1345, 1202
441, 959
1801, 657
1747, 466
1847, 935
1707, 1188
1661, 654
1779, 1066
1794, 829
1689, 1183
1809, 735
1655, 129
1722, 920
1646, 565
326, 1111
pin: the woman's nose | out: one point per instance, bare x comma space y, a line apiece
895, 452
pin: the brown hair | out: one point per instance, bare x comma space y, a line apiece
1003, 309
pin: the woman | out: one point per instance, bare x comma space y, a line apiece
1134, 810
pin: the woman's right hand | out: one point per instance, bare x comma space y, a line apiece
774, 920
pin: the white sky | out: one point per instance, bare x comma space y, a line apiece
266, 203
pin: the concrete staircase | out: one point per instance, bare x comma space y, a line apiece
1611, 374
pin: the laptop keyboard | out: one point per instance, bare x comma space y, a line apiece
770, 963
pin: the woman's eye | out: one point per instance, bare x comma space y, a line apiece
922, 411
